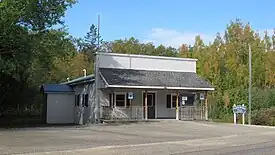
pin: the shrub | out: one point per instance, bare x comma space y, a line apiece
264, 116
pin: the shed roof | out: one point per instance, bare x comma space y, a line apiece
51, 88
129, 78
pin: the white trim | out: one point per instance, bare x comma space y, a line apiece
153, 69
103, 78
159, 87
155, 92
145, 56
125, 98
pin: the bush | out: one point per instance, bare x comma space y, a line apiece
265, 116
263, 103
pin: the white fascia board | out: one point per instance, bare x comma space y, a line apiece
160, 87
145, 56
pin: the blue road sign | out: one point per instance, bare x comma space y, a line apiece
239, 109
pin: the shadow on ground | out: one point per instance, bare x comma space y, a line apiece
36, 122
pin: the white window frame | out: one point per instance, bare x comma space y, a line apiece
173, 94
125, 99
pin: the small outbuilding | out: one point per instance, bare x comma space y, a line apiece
59, 103
67, 103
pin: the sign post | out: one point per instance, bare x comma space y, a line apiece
239, 109
183, 99
131, 97
202, 99
177, 107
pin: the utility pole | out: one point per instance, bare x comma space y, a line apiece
97, 103
98, 35
249, 91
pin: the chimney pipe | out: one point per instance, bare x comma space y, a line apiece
85, 72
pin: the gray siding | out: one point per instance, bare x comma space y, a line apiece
141, 62
162, 110
83, 115
60, 108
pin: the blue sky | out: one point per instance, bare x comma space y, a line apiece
168, 22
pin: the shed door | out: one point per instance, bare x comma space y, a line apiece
60, 108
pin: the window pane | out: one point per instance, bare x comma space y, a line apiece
174, 98
120, 97
120, 103
86, 100
173, 104
120, 100
168, 101
174, 101
78, 101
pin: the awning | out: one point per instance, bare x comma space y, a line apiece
147, 79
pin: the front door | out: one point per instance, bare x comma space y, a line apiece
151, 104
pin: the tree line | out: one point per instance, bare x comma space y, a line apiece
36, 48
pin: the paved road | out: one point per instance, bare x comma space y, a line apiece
164, 137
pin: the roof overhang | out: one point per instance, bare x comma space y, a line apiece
159, 87
81, 80
56, 88
122, 78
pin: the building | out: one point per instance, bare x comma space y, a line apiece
130, 87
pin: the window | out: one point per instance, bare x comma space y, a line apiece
171, 101
111, 99
86, 100
120, 100
77, 100
190, 100
174, 101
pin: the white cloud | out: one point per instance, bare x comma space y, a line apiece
168, 37
174, 38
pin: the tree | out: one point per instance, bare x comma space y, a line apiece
89, 45
29, 44
133, 46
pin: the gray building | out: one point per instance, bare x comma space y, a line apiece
128, 87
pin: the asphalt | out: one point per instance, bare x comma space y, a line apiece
160, 138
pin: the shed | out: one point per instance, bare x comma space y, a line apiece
59, 107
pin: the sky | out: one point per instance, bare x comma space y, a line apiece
167, 22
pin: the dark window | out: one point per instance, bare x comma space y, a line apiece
77, 100
86, 100
190, 100
120, 100
171, 101
111, 100
168, 101
174, 101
